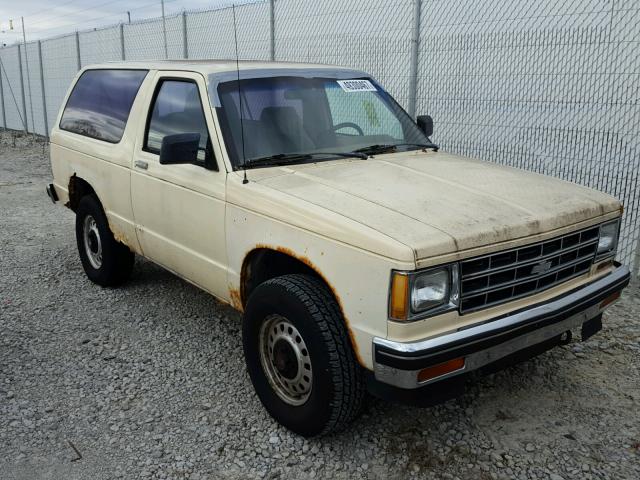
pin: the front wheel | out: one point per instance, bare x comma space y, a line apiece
299, 356
106, 261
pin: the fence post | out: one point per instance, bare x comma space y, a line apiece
185, 45
637, 260
44, 98
122, 41
26, 64
272, 25
415, 48
78, 50
164, 32
4, 113
25, 120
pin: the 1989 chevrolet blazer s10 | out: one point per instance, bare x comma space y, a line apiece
361, 257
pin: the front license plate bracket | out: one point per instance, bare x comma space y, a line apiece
591, 327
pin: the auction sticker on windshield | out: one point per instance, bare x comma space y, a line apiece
357, 85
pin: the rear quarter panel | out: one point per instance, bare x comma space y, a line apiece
105, 166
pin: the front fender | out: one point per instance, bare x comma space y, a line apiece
358, 279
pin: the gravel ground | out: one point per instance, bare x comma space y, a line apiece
148, 381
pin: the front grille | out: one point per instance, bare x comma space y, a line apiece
504, 276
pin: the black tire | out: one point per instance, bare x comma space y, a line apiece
116, 259
337, 383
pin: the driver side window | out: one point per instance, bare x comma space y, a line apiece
177, 108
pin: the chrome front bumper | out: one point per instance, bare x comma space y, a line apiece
398, 363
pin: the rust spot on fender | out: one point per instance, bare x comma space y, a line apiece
71, 188
235, 299
312, 266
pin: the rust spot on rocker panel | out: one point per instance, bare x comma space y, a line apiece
118, 235
122, 238
312, 266
235, 299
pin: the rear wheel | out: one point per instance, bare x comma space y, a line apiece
106, 261
299, 356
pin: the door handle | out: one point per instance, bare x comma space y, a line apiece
142, 165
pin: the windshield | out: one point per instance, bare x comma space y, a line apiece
288, 114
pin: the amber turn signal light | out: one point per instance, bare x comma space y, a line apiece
610, 299
440, 369
398, 300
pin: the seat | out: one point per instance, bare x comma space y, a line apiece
285, 130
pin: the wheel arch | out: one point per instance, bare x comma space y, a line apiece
78, 188
266, 262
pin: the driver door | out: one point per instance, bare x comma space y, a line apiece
179, 209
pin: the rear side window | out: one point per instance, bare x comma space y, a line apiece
100, 102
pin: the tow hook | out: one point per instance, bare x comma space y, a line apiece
565, 338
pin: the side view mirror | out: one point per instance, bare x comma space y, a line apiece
179, 148
425, 123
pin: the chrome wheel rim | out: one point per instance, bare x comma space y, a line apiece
92, 242
285, 360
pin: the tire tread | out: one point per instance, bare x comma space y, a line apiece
118, 260
346, 372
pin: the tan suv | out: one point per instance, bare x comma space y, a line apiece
303, 195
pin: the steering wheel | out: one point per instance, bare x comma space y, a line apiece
325, 136
342, 125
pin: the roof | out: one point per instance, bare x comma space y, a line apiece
207, 67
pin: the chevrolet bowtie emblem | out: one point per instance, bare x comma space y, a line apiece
542, 267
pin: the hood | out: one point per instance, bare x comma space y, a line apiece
438, 203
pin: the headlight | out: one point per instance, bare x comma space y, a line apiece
416, 295
430, 290
608, 239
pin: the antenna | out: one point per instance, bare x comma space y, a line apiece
235, 34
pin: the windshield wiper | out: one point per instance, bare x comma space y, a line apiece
285, 158
384, 148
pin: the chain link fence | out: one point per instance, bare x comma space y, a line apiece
551, 86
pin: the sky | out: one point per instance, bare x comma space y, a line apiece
49, 18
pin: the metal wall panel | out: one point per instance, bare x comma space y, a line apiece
12, 87
210, 33
372, 35
548, 86
145, 40
98, 46
60, 65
